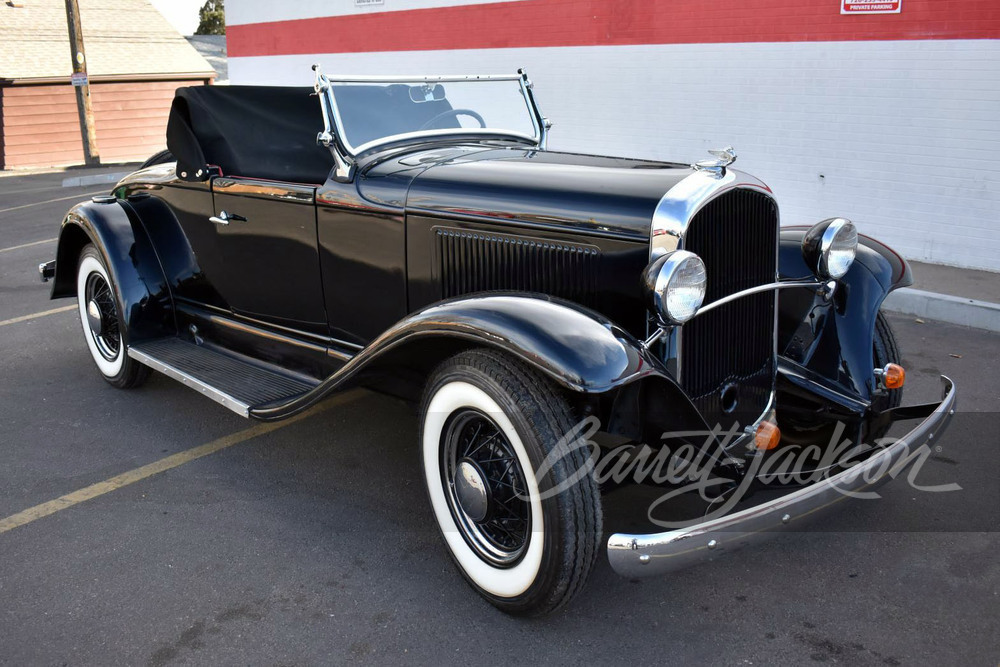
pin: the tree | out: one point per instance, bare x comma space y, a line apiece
212, 18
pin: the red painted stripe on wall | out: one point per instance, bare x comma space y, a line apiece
541, 23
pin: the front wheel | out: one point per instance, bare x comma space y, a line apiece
102, 327
886, 351
508, 483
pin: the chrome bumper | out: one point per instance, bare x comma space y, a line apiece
649, 555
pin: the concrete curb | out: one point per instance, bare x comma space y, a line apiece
945, 308
94, 179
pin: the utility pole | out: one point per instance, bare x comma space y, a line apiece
81, 84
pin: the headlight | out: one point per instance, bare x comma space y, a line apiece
674, 286
829, 248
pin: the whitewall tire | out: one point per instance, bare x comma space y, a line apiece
488, 422
506, 582
103, 331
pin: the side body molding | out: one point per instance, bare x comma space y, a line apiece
145, 302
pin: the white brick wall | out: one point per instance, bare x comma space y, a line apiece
900, 136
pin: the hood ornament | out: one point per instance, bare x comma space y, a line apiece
726, 157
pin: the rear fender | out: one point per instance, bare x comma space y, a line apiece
115, 230
833, 337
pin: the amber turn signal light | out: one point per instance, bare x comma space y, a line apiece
767, 436
893, 376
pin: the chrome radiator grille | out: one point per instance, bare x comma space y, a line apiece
727, 354
473, 261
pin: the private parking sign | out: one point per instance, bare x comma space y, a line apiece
869, 7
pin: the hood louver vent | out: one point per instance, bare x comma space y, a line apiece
478, 262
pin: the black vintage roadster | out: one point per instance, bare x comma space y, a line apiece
537, 305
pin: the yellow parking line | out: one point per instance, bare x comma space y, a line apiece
25, 318
133, 476
27, 245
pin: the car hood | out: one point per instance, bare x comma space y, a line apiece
588, 193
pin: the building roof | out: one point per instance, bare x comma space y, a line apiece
122, 38
213, 49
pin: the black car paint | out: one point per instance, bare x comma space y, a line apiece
112, 226
578, 349
270, 253
570, 193
579, 199
362, 240
833, 336
369, 255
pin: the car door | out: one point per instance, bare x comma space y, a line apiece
267, 247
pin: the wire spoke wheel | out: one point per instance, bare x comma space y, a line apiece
525, 541
106, 334
102, 315
485, 487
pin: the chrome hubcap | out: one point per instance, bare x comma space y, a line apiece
473, 496
94, 317
485, 488
102, 317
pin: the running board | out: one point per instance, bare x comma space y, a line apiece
239, 385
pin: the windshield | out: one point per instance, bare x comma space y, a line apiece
369, 113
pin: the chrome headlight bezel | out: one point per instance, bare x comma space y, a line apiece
662, 279
830, 247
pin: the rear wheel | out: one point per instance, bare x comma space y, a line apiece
526, 541
97, 298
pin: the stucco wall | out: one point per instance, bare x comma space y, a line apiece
863, 117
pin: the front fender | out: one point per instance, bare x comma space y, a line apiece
834, 337
117, 233
580, 350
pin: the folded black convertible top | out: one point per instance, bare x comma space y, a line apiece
266, 132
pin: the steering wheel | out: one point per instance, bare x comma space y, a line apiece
453, 112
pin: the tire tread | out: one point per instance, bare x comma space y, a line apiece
887, 351
551, 416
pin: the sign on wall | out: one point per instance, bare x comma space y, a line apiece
870, 7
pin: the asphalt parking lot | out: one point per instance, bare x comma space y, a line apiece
312, 542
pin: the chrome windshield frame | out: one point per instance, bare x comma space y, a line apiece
334, 135
424, 78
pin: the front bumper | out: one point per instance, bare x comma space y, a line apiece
649, 555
